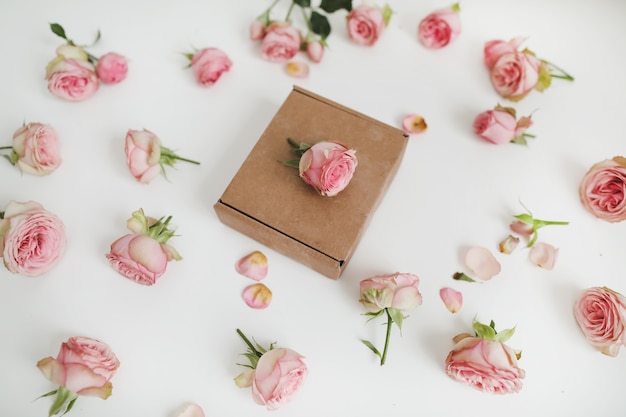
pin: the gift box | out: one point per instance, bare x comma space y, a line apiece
269, 202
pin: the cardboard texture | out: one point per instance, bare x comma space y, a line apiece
270, 203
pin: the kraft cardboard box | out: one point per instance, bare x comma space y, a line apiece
269, 202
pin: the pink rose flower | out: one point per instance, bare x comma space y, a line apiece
500, 126
601, 315
112, 68
209, 64
487, 365
32, 240
36, 149
83, 366
275, 374
440, 28
493, 50
365, 24
328, 167
280, 43
603, 189
399, 291
315, 50
72, 79
143, 154
257, 30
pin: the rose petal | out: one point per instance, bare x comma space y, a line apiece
253, 265
257, 296
452, 298
509, 244
482, 263
414, 124
297, 69
544, 255
192, 410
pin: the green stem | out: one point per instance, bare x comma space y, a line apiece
383, 358
540, 223
185, 159
6, 147
563, 76
247, 342
266, 14
289, 11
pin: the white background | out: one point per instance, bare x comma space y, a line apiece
176, 340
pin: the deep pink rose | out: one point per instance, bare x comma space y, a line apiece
209, 64
72, 79
112, 68
139, 258
495, 126
486, 365
280, 43
493, 50
603, 189
328, 166
32, 239
601, 315
365, 24
143, 154
83, 366
515, 75
315, 51
440, 28
36, 148
277, 377
399, 291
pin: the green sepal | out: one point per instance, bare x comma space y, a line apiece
371, 347
456, 7
387, 12
188, 55
1, 215
331, 6
483, 331
293, 163
298, 148
397, 316
545, 78
64, 399
460, 276
303, 3
320, 24
504, 335
58, 30
519, 141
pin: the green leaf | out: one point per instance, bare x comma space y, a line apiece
396, 316
58, 30
372, 347
303, 3
331, 6
320, 24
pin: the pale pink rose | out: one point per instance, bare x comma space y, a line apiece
32, 240
452, 299
297, 69
493, 50
440, 27
280, 43
496, 126
486, 365
399, 291
139, 258
36, 148
601, 315
209, 64
257, 30
328, 167
315, 51
112, 68
277, 377
482, 263
544, 255
143, 154
603, 189
253, 265
257, 296
516, 74
522, 228
192, 410
414, 124
365, 24
83, 366
72, 79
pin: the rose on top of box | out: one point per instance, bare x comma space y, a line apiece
279, 207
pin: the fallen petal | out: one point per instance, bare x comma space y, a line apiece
257, 296
414, 124
544, 255
253, 265
192, 410
452, 298
482, 263
509, 244
297, 69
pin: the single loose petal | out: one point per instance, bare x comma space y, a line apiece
297, 69
257, 296
544, 255
253, 265
414, 124
452, 298
509, 244
482, 263
192, 410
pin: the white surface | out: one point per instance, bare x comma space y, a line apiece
176, 340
